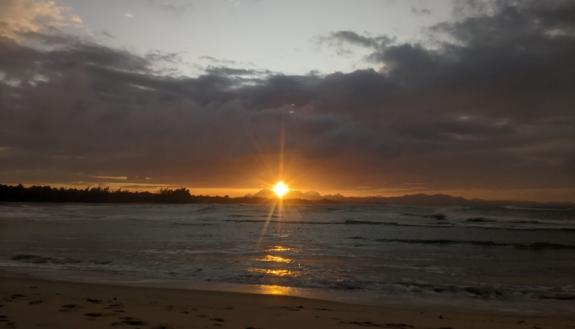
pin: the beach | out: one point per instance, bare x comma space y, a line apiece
28, 302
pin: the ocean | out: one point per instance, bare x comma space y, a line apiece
509, 258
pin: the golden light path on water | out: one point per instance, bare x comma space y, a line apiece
274, 261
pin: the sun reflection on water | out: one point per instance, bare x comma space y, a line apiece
275, 290
279, 249
274, 272
275, 259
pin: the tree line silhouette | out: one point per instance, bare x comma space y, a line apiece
20, 193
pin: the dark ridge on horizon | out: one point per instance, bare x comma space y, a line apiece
20, 193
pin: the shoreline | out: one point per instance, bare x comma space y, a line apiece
352, 297
66, 304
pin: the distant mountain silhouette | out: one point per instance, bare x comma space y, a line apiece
422, 199
447, 200
408, 199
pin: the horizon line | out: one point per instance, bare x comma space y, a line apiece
334, 196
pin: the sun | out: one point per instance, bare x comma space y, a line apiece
280, 189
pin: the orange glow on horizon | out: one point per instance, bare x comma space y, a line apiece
529, 194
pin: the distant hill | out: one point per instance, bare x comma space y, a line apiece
408, 199
446, 200
422, 199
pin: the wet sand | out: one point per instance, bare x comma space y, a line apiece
37, 303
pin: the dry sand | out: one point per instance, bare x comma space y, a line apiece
35, 303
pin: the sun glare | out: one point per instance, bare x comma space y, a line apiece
280, 189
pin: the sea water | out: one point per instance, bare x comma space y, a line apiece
504, 257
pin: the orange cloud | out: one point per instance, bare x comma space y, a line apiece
18, 17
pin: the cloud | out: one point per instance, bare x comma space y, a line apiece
232, 71
354, 39
341, 40
172, 5
490, 106
420, 11
19, 17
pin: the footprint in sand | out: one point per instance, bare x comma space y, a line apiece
362, 323
132, 321
291, 308
398, 325
322, 309
162, 326
14, 297
115, 306
93, 300
10, 325
68, 307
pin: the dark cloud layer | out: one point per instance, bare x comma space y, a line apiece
489, 105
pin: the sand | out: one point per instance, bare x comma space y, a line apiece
37, 303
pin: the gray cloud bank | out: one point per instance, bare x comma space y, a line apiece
491, 104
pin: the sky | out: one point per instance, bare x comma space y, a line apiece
367, 97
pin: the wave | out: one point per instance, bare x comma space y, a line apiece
507, 221
39, 259
357, 238
529, 228
438, 216
192, 224
535, 246
361, 222
484, 291
558, 297
481, 220
346, 222
443, 226
539, 208
205, 209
